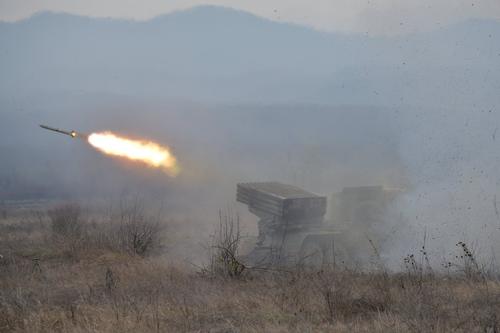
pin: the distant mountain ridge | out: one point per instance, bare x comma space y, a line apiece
220, 54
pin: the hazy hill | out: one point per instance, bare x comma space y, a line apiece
219, 54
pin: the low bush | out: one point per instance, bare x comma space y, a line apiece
66, 221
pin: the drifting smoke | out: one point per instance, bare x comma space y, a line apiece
452, 162
147, 152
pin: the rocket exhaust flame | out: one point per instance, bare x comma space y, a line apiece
147, 152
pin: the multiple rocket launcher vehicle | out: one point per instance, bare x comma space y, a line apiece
293, 228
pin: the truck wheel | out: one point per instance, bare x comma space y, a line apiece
339, 256
312, 254
316, 252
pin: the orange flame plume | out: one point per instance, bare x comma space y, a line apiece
138, 150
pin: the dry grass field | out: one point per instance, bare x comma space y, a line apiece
62, 273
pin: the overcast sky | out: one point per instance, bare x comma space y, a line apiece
372, 16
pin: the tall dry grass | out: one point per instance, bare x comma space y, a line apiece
103, 286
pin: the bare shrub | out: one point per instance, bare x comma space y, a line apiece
130, 229
224, 250
138, 232
467, 262
418, 267
66, 220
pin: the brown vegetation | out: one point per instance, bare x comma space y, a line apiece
53, 279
